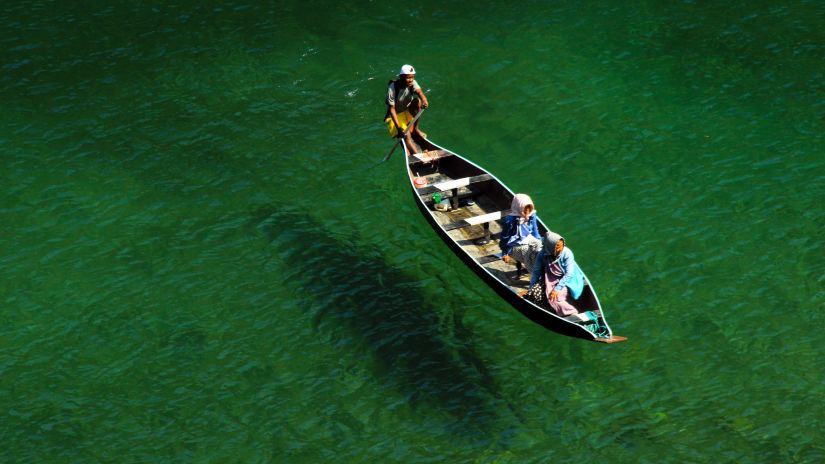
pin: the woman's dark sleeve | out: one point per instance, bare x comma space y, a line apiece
506, 233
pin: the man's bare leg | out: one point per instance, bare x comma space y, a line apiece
412, 146
414, 109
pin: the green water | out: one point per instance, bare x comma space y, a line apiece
197, 265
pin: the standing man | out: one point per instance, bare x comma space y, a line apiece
402, 105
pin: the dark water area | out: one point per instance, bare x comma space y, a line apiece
429, 355
202, 261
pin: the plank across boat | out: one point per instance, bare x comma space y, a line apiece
471, 229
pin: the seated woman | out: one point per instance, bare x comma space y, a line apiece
520, 232
555, 276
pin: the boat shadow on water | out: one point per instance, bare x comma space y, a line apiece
427, 354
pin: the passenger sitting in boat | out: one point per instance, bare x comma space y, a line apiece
402, 106
555, 276
520, 237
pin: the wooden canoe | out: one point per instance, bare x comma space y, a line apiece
471, 231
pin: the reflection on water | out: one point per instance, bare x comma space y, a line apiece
427, 354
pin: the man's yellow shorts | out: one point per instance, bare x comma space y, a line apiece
404, 119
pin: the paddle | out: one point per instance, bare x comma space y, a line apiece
403, 135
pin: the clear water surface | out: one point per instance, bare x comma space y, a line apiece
201, 264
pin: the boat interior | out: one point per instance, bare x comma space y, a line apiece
473, 204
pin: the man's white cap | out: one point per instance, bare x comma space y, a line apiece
406, 69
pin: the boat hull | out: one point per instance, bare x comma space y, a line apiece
523, 306
449, 173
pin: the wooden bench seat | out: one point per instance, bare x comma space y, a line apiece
453, 184
475, 220
484, 220
450, 189
428, 157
